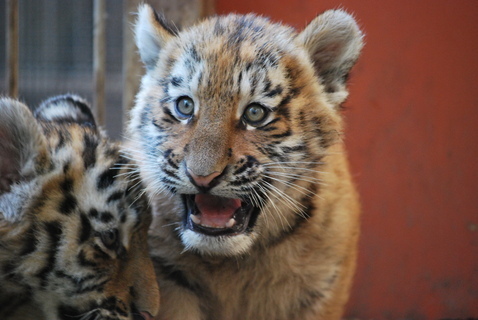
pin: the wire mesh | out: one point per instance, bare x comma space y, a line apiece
56, 53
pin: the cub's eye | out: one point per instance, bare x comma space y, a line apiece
110, 238
184, 107
255, 114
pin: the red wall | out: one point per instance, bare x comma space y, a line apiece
412, 135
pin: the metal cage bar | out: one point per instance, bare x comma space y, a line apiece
99, 59
12, 48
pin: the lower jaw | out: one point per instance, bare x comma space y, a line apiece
217, 245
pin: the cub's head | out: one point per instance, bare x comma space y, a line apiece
234, 116
72, 226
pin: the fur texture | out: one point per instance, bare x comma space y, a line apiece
237, 136
73, 239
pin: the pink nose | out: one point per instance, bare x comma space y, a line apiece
146, 316
203, 181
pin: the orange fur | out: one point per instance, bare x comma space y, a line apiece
265, 132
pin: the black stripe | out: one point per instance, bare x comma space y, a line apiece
170, 115
68, 204
93, 213
75, 279
171, 121
176, 81
271, 152
85, 228
171, 273
268, 126
173, 164
283, 107
29, 241
84, 109
115, 196
106, 216
98, 287
66, 185
249, 162
108, 177
89, 151
193, 53
66, 167
287, 133
61, 141
297, 148
171, 174
277, 90
158, 126
54, 231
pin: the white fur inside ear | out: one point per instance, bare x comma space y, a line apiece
150, 36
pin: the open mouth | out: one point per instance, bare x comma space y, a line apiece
218, 216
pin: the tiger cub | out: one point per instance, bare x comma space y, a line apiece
73, 241
237, 133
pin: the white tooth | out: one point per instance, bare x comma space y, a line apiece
195, 219
231, 223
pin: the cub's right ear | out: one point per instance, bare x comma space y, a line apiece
151, 34
22, 144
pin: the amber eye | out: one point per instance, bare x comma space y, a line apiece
184, 107
255, 114
110, 238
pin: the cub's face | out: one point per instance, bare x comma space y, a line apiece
233, 120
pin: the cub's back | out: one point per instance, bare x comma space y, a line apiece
72, 225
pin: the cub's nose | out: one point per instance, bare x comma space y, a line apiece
202, 181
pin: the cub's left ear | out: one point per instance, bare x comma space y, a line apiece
67, 108
333, 41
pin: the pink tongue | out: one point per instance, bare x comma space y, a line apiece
216, 211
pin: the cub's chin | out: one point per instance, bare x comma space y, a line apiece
217, 225
217, 245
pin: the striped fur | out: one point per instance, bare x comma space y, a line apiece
72, 228
237, 134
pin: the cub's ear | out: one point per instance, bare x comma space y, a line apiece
66, 108
22, 144
151, 34
333, 41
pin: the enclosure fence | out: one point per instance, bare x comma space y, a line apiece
83, 47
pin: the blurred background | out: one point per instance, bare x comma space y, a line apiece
412, 129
